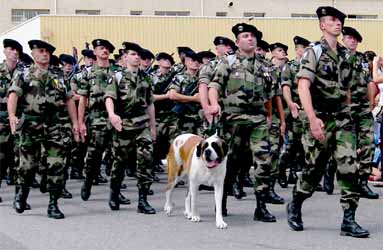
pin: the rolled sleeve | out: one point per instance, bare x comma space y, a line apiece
16, 84
308, 65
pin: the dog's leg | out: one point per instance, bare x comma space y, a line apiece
187, 211
193, 193
218, 193
172, 181
169, 205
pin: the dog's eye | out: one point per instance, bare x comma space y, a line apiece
217, 148
204, 146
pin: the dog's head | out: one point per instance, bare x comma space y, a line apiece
212, 150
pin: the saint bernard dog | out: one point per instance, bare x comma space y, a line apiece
204, 162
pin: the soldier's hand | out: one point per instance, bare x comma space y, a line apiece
215, 110
76, 132
153, 134
208, 116
82, 131
283, 129
13, 121
116, 122
316, 128
294, 110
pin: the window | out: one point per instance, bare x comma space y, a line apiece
136, 12
88, 12
21, 15
172, 13
221, 14
363, 16
253, 14
301, 15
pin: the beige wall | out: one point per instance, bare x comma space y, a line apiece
271, 8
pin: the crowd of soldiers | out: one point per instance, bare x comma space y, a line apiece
123, 114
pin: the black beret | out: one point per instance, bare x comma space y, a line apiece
25, 58
263, 45
301, 41
279, 45
54, 60
38, 44
131, 46
206, 54
103, 42
146, 54
13, 44
67, 59
165, 56
244, 27
369, 54
194, 56
218, 40
88, 53
117, 57
184, 49
352, 32
330, 11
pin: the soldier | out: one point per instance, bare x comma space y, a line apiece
294, 127
179, 67
263, 48
12, 51
92, 90
324, 91
238, 82
206, 56
146, 60
360, 109
184, 92
43, 94
129, 102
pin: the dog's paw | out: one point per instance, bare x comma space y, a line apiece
187, 215
168, 209
221, 224
195, 218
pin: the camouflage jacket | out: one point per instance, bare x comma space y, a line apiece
92, 85
289, 78
206, 71
330, 76
42, 93
160, 86
359, 83
244, 85
132, 95
185, 84
5, 83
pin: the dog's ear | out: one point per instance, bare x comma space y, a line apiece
225, 148
199, 149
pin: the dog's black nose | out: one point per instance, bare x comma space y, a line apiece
207, 153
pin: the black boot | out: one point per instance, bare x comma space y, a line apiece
114, 198
273, 197
86, 188
205, 187
261, 213
53, 209
143, 204
294, 213
123, 200
282, 178
155, 177
328, 178
292, 179
43, 183
65, 194
35, 183
247, 181
238, 191
365, 191
319, 188
100, 179
20, 201
123, 186
350, 227
76, 175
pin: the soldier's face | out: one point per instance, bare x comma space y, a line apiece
222, 49
11, 54
246, 42
101, 52
299, 50
331, 25
88, 61
132, 58
145, 62
260, 51
41, 56
350, 42
164, 66
279, 53
67, 68
191, 64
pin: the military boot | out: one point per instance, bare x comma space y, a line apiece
282, 178
86, 188
20, 201
27, 206
273, 197
350, 227
123, 200
143, 204
43, 183
114, 199
35, 183
292, 179
365, 191
294, 212
53, 209
261, 213
328, 178
238, 191
65, 194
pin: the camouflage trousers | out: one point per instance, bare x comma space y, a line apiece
340, 143
99, 141
166, 132
275, 143
32, 139
7, 156
67, 135
242, 135
136, 142
189, 124
364, 141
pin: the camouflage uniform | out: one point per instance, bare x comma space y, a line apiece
132, 94
42, 96
189, 119
329, 77
7, 156
92, 85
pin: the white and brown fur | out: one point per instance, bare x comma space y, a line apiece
190, 155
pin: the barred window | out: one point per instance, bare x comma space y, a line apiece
221, 14
88, 12
136, 12
352, 16
254, 14
21, 15
172, 13
302, 15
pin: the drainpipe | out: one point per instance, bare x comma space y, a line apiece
202, 4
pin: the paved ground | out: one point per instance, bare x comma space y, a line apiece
92, 225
